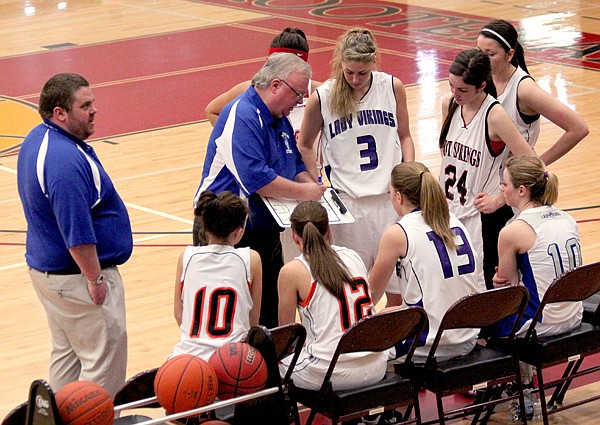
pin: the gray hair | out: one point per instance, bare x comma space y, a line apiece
280, 65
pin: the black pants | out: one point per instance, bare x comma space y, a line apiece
268, 246
491, 224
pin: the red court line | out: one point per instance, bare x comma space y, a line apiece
167, 79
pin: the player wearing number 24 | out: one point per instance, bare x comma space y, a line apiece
217, 287
328, 285
431, 252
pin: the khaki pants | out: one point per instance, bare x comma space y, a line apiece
89, 342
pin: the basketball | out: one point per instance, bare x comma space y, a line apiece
84, 403
214, 422
240, 369
185, 382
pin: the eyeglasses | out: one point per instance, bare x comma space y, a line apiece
299, 96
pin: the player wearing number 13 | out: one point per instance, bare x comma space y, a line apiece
432, 254
218, 287
363, 119
327, 284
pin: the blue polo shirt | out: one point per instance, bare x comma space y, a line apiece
248, 149
68, 200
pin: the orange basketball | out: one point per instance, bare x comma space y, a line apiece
214, 422
240, 369
84, 403
185, 382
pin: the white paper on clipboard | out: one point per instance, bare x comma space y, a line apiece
281, 209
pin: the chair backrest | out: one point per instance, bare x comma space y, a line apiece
380, 332
260, 338
17, 415
575, 285
287, 340
41, 408
482, 309
138, 387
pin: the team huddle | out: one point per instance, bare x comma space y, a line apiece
419, 238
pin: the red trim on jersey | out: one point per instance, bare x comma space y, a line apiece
497, 146
313, 288
296, 52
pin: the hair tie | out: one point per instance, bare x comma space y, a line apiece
546, 174
421, 175
497, 35
296, 52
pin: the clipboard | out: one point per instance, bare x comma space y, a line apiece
281, 208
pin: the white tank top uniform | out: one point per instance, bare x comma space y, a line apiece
362, 149
528, 125
359, 153
216, 298
557, 249
435, 277
326, 319
471, 164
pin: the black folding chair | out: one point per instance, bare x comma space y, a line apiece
136, 388
570, 347
17, 415
483, 368
373, 333
274, 344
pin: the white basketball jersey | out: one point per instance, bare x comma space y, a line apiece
528, 125
435, 277
557, 249
326, 318
216, 298
470, 165
362, 149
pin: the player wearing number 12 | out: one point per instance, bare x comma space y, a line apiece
432, 254
327, 284
218, 287
363, 119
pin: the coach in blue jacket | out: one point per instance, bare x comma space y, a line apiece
78, 231
252, 151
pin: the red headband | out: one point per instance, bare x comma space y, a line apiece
296, 52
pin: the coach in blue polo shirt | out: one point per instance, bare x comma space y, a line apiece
252, 151
78, 231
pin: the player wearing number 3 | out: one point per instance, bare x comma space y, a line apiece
218, 287
327, 284
475, 133
363, 119
431, 252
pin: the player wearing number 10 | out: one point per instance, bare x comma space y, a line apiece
217, 287
431, 252
540, 245
363, 120
327, 284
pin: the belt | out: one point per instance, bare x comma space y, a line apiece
75, 269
